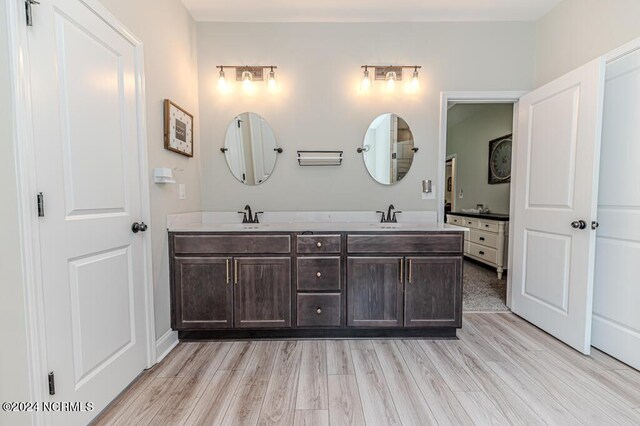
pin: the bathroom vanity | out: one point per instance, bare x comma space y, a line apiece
316, 280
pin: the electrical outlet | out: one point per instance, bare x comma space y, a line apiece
182, 190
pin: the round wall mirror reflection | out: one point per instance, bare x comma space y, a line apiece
250, 148
388, 149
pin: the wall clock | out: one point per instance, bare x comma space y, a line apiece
178, 129
500, 160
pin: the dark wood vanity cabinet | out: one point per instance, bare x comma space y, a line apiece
374, 297
262, 292
241, 285
432, 294
203, 292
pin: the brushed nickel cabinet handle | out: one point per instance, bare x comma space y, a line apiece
236, 271
318, 274
410, 271
319, 311
318, 244
227, 265
401, 270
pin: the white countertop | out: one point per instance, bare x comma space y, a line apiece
307, 221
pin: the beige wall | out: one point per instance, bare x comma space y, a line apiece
320, 106
169, 36
14, 378
576, 31
469, 140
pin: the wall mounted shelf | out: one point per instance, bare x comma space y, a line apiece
320, 158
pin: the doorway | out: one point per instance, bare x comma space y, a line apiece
474, 124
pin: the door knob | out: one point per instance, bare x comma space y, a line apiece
138, 227
579, 224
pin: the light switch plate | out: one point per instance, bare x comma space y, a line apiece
182, 191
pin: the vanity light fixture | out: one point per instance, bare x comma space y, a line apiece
366, 80
391, 74
248, 74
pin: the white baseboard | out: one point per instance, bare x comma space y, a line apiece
165, 344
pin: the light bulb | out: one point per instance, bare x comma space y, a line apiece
415, 82
271, 81
222, 80
366, 80
391, 80
247, 81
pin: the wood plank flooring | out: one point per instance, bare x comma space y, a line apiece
502, 370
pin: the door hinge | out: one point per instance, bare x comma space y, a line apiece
52, 384
29, 12
40, 198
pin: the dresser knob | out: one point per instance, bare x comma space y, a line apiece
318, 244
318, 274
318, 311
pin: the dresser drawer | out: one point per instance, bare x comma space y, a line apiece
455, 220
318, 273
318, 244
484, 238
488, 226
415, 243
482, 252
319, 310
231, 244
470, 222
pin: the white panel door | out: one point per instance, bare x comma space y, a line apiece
616, 317
86, 132
556, 177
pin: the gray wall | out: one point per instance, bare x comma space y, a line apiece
168, 33
320, 105
577, 31
469, 140
14, 378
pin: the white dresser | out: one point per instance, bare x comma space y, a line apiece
486, 241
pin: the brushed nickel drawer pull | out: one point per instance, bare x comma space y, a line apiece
236, 271
401, 270
318, 244
318, 310
318, 274
227, 265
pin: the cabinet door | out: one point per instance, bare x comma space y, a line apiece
433, 292
262, 292
203, 293
374, 286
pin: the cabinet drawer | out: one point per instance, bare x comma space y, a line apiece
488, 226
455, 220
318, 273
470, 222
319, 310
484, 238
314, 244
414, 243
232, 244
485, 253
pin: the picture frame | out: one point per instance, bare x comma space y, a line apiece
500, 160
449, 184
178, 129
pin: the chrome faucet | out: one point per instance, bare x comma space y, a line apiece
389, 218
248, 217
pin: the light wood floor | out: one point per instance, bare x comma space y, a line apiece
502, 370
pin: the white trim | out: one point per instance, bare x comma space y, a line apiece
512, 206
489, 97
166, 343
454, 173
623, 50
27, 187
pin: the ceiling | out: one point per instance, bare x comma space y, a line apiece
367, 10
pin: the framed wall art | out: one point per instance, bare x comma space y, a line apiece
178, 129
500, 160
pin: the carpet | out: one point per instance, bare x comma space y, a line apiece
482, 290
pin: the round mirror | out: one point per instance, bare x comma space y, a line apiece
388, 149
250, 148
